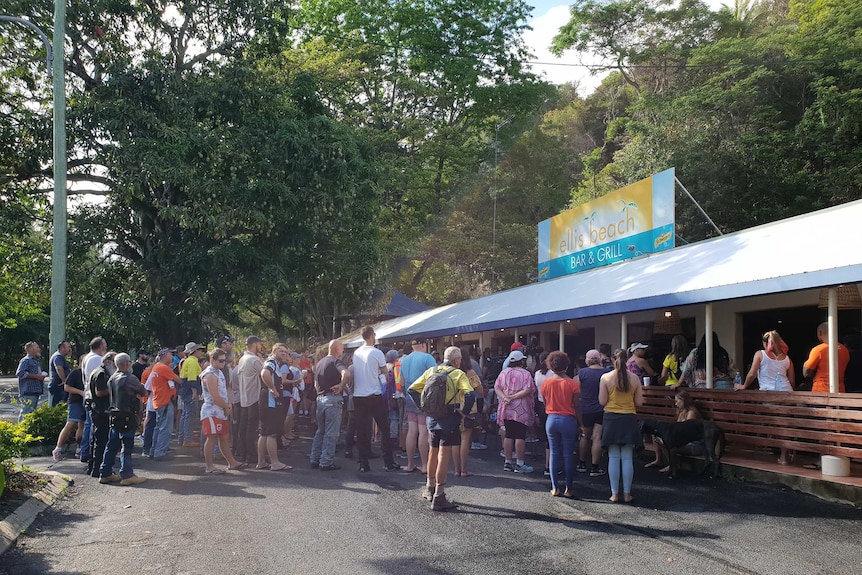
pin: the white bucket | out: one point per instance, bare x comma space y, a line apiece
835, 466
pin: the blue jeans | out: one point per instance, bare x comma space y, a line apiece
562, 433
190, 413
328, 427
164, 430
58, 395
620, 457
28, 404
85, 438
117, 439
149, 431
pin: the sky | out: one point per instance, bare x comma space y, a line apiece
548, 16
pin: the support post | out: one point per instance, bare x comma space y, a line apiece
832, 320
624, 332
710, 352
562, 341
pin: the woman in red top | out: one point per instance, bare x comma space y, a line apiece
562, 399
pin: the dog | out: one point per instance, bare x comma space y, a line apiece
670, 437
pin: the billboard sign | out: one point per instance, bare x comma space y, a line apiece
632, 221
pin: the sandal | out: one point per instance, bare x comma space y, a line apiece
555, 492
614, 498
216, 471
466, 474
628, 499
653, 464
285, 468
238, 466
265, 466
569, 495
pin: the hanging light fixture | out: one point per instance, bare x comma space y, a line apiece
847, 297
667, 322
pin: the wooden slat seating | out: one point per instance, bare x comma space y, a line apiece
827, 424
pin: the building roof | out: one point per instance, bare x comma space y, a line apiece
813, 250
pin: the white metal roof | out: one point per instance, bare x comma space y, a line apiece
809, 251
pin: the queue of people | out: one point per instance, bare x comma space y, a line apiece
245, 407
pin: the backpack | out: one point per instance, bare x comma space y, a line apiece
433, 402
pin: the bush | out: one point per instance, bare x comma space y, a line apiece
46, 422
14, 442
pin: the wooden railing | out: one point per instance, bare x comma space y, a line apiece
824, 423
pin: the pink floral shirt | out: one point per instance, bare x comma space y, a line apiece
510, 381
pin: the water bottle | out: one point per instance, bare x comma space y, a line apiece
737, 379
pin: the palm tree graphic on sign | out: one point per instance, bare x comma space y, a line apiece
590, 217
626, 206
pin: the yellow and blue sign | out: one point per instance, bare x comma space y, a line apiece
632, 221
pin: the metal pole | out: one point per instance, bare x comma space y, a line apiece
709, 219
49, 53
710, 353
624, 333
562, 337
832, 341
58, 259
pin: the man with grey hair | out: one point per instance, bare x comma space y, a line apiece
125, 391
446, 430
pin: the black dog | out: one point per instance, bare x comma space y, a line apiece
670, 437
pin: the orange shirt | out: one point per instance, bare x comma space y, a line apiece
144, 377
818, 360
558, 393
163, 377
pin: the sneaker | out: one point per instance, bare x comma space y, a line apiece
331, 467
57, 453
402, 455
582, 467
523, 468
78, 453
132, 480
440, 503
596, 471
478, 446
348, 454
546, 472
392, 467
427, 493
364, 468
508, 466
110, 479
502, 453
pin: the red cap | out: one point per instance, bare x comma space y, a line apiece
516, 346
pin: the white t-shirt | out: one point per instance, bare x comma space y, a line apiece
367, 362
91, 361
539, 378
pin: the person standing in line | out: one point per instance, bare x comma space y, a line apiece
592, 414
817, 364
215, 413
150, 417
331, 378
125, 391
31, 379
620, 393
543, 372
445, 432
271, 412
368, 401
76, 414
249, 383
516, 392
413, 366
461, 452
562, 401
638, 364
59, 370
141, 364
98, 348
99, 409
190, 371
773, 369
164, 382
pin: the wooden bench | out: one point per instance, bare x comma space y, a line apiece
827, 424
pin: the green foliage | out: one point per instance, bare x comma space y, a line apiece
15, 442
45, 423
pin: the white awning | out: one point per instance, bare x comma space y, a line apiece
814, 250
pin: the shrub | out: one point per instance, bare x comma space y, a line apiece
46, 422
14, 442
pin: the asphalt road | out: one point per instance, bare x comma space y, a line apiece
307, 521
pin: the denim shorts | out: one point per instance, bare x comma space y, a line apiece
77, 413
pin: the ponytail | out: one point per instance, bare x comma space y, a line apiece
621, 356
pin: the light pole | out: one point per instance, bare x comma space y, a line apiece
56, 70
496, 192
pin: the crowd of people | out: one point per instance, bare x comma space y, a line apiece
245, 405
